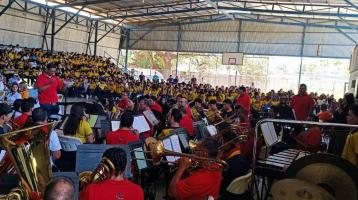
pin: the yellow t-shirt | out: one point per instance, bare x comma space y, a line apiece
350, 151
84, 129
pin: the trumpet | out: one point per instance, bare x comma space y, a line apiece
157, 151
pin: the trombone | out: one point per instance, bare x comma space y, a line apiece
157, 151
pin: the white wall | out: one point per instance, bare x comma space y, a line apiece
26, 29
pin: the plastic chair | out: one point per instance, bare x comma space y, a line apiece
240, 185
69, 143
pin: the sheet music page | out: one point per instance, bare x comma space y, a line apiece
273, 132
212, 130
184, 140
138, 153
115, 124
2, 154
151, 117
266, 132
168, 146
92, 120
140, 124
175, 144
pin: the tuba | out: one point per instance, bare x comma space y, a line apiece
103, 171
28, 150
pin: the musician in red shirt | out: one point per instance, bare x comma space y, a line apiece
124, 103
27, 107
183, 103
302, 104
115, 187
124, 134
187, 123
243, 99
200, 184
47, 85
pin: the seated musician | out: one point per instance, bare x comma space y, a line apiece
78, 126
124, 102
350, 150
115, 187
39, 116
187, 123
174, 117
228, 109
199, 184
5, 116
183, 103
213, 113
198, 110
124, 134
237, 163
27, 105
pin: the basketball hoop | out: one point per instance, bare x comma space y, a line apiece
232, 61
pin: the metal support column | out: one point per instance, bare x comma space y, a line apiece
53, 28
7, 7
127, 48
178, 49
95, 39
301, 54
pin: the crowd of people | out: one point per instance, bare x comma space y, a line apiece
174, 104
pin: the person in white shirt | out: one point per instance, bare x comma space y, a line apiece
13, 94
2, 86
14, 79
17, 49
39, 116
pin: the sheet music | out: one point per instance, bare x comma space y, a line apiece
168, 145
2, 154
92, 120
140, 124
269, 133
175, 144
151, 117
212, 130
184, 141
115, 124
138, 153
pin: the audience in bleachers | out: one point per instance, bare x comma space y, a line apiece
174, 104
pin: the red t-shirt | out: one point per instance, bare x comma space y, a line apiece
121, 137
311, 139
123, 103
112, 190
156, 107
302, 105
187, 123
20, 121
244, 101
49, 95
188, 111
200, 185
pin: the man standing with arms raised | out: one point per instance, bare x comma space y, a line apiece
47, 84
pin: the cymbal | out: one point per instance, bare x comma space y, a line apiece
335, 174
294, 189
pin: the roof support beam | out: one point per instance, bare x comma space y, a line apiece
347, 36
7, 7
237, 9
71, 18
349, 2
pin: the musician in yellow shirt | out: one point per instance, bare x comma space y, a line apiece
350, 151
174, 117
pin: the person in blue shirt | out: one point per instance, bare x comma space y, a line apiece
155, 77
13, 94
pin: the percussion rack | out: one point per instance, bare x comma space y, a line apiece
282, 121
